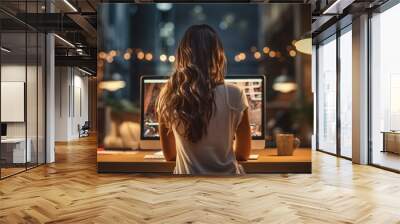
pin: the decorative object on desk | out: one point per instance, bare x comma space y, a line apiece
286, 144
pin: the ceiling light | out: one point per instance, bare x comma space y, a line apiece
65, 41
5, 50
84, 71
304, 45
70, 5
337, 7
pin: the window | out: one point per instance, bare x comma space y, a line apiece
346, 93
385, 89
327, 96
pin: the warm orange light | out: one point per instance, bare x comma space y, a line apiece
109, 58
285, 87
257, 55
113, 53
266, 50
237, 59
163, 57
127, 56
102, 55
272, 54
242, 56
149, 56
171, 58
292, 53
140, 55
112, 85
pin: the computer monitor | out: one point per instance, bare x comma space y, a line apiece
253, 86
3, 130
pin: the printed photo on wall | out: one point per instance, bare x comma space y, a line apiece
204, 89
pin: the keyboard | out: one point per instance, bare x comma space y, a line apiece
156, 155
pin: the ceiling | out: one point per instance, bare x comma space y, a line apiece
76, 22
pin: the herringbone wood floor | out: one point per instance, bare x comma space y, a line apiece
70, 191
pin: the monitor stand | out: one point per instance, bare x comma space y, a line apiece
150, 145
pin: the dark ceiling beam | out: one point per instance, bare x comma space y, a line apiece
84, 24
79, 61
49, 22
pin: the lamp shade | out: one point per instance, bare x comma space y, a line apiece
304, 45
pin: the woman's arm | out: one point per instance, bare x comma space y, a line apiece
167, 143
243, 138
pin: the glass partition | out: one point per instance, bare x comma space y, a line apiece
327, 96
346, 93
385, 89
22, 92
15, 151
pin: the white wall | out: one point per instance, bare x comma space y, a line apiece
33, 127
71, 102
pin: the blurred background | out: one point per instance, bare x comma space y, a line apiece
259, 39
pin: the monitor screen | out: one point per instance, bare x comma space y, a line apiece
252, 87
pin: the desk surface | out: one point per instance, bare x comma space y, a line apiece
267, 162
13, 140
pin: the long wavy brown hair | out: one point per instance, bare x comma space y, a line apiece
187, 102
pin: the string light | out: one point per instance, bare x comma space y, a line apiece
242, 56
113, 53
266, 50
140, 55
292, 53
257, 55
163, 57
127, 56
109, 58
149, 56
171, 58
102, 55
272, 54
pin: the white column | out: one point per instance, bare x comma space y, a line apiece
50, 98
360, 90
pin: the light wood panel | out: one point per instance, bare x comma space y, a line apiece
71, 191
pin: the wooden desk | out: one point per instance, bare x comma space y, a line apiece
267, 162
391, 141
14, 151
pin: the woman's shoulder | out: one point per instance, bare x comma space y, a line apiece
233, 90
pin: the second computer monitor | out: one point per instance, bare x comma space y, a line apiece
253, 87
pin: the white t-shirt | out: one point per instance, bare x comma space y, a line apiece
214, 153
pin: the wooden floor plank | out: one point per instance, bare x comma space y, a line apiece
71, 191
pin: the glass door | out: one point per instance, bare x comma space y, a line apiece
385, 89
327, 96
345, 93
